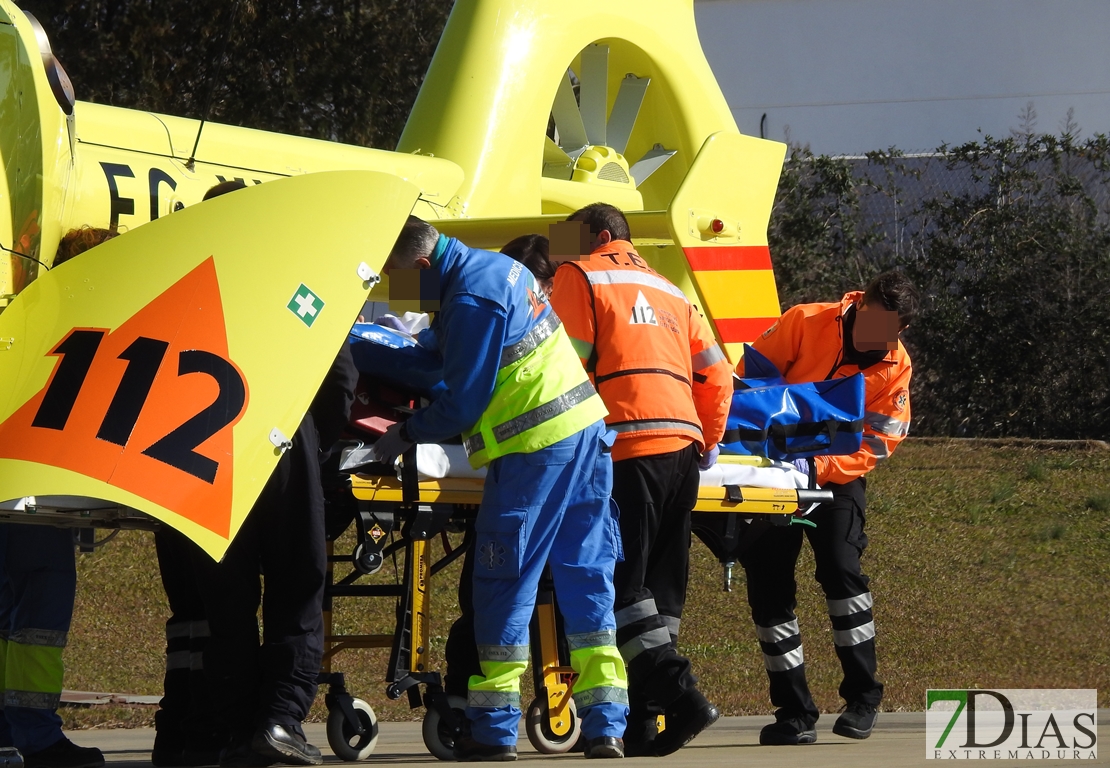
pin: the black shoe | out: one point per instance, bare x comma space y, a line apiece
285, 745
467, 750
10, 757
200, 757
857, 721
65, 754
639, 736
238, 754
788, 731
168, 750
686, 718
604, 746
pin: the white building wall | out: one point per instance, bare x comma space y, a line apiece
848, 76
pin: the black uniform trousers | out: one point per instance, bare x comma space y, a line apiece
655, 496
838, 541
283, 540
185, 716
461, 651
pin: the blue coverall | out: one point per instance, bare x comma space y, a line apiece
551, 506
38, 583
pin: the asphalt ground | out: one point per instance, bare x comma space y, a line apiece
898, 741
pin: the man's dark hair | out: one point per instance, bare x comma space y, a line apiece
79, 240
532, 251
602, 216
417, 240
224, 187
896, 293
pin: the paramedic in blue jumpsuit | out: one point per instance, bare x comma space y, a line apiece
38, 584
527, 410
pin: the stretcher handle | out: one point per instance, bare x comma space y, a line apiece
805, 498
410, 479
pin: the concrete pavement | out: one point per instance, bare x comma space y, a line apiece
898, 740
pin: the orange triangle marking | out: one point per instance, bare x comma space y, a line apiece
150, 391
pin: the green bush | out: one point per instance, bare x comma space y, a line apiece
1012, 259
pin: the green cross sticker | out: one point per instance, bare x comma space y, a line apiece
306, 305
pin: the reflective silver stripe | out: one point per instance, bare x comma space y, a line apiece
200, 629
887, 425
627, 277
32, 699
541, 413
177, 660
854, 636
707, 357
672, 624
646, 424
850, 605
179, 630
493, 699
474, 444
196, 661
503, 653
788, 660
635, 612
592, 639
777, 633
599, 695
51, 638
653, 638
877, 446
539, 333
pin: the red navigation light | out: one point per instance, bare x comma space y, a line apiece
717, 226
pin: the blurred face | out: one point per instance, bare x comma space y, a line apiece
412, 289
572, 240
876, 328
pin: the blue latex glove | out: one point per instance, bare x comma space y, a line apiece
391, 445
802, 465
391, 322
709, 458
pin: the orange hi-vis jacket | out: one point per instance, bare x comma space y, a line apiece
807, 344
652, 357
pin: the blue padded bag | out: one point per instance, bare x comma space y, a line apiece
397, 359
771, 418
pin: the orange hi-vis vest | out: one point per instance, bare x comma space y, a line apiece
652, 357
807, 344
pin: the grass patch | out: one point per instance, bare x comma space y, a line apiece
1036, 471
1053, 532
1099, 502
956, 605
1004, 491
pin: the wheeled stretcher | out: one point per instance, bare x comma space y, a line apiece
422, 511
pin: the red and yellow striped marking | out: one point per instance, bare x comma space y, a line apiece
738, 287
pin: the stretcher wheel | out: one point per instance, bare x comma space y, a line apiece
347, 745
539, 729
438, 737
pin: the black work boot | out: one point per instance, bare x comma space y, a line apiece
685, 718
603, 747
285, 744
468, 750
639, 736
857, 721
65, 754
788, 730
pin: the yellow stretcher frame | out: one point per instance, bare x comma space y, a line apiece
551, 722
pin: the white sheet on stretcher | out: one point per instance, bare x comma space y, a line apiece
780, 475
439, 461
